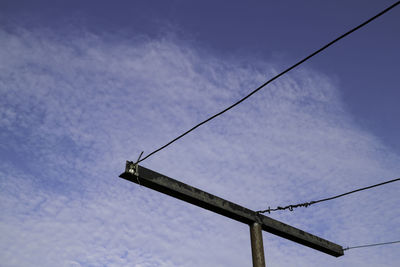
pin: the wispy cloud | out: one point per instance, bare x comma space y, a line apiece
74, 108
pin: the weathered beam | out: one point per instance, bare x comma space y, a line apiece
174, 188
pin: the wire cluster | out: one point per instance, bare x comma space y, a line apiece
306, 204
288, 207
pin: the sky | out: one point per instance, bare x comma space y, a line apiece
85, 86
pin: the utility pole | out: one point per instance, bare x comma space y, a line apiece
257, 222
257, 248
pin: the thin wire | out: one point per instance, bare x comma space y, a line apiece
373, 245
306, 204
274, 78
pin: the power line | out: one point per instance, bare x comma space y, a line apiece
306, 204
373, 245
274, 78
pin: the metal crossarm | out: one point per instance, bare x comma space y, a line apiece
161, 183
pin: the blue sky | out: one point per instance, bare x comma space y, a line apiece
86, 86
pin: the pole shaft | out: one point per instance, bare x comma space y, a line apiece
257, 248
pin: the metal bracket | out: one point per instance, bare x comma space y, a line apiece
132, 168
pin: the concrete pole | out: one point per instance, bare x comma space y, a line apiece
257, 248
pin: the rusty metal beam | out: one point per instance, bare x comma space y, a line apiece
190, 194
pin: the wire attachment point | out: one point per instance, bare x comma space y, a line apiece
133, 168
306, 204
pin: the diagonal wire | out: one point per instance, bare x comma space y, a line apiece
306, 204
373, 245
274, 78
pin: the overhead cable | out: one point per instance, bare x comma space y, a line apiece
274, 78
306, 204
373, 245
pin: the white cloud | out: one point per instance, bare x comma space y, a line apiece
74, 108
